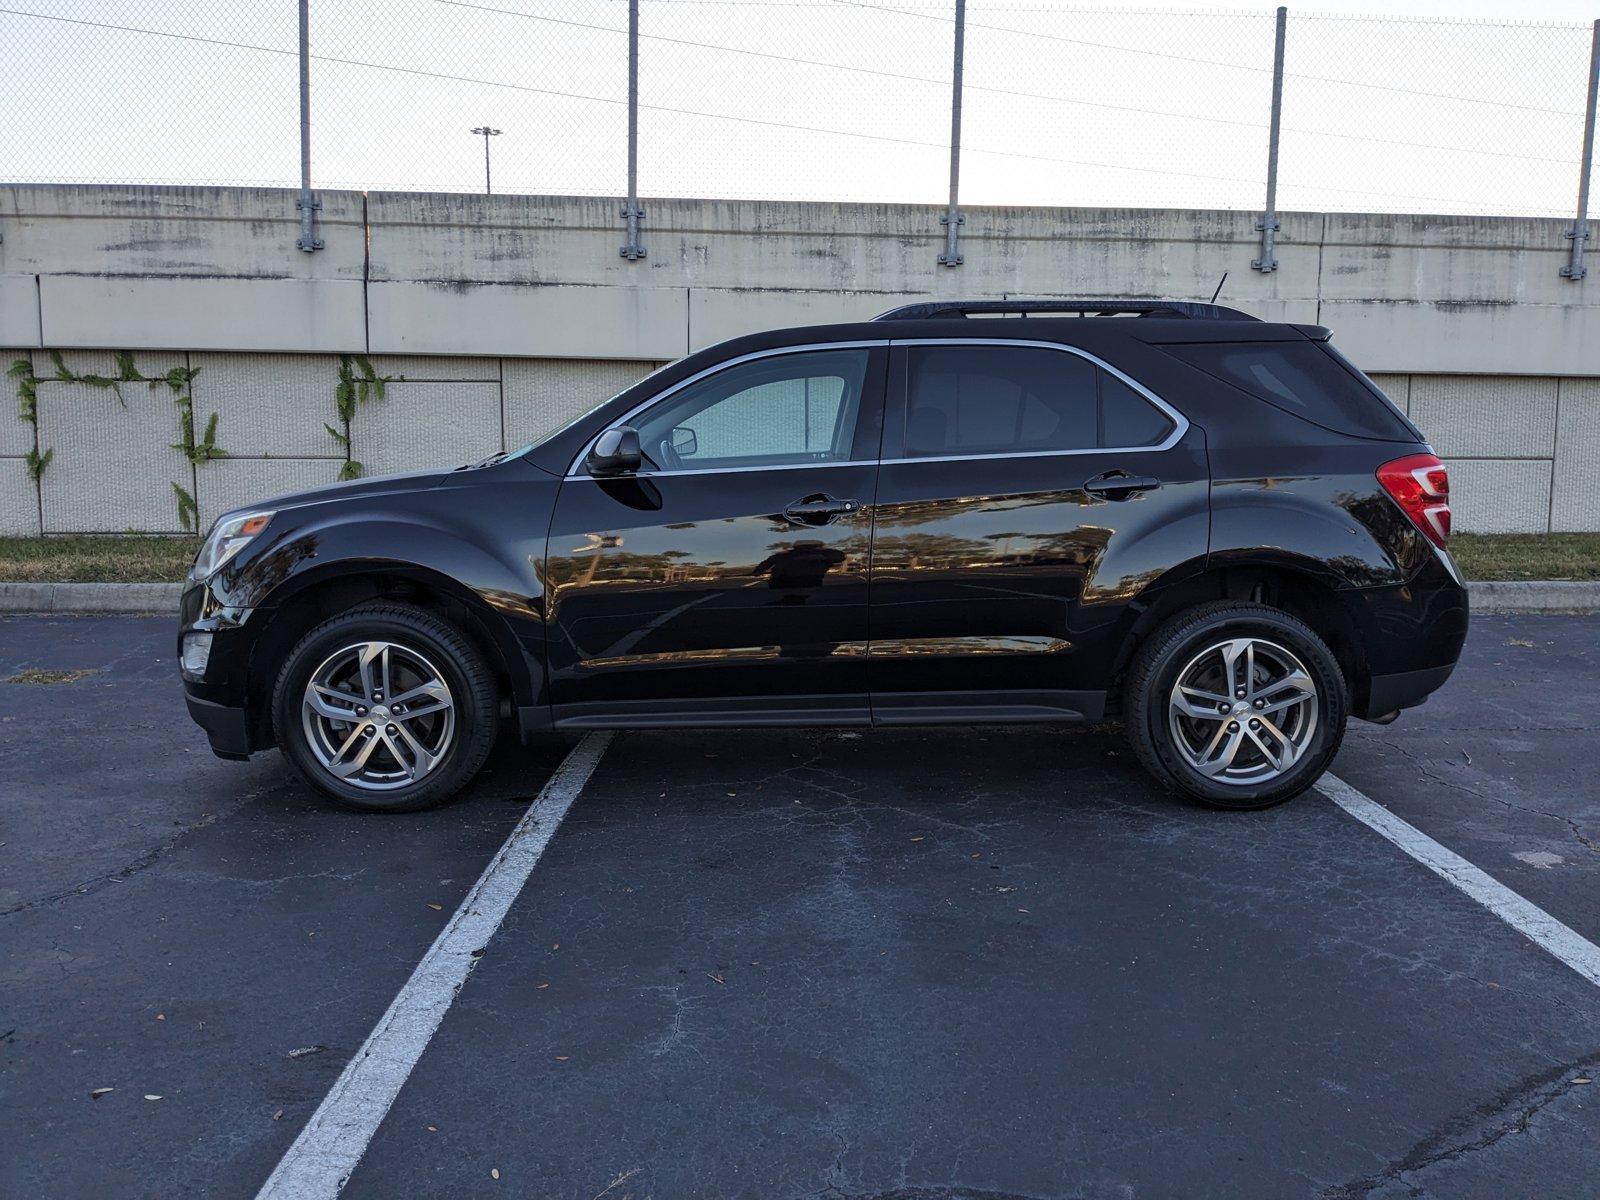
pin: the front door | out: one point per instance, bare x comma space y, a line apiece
727, 580
1028, 494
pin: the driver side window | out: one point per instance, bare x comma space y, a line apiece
787, 409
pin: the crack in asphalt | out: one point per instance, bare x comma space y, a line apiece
1451, 1141
1430, 773
144, 862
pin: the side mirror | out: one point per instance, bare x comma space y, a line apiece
615, 452
684, 442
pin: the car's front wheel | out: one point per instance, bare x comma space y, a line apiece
386, 708
1238, 705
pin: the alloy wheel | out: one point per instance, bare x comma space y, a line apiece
378, 715
1243, 711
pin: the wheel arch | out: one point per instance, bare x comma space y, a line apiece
307, 599
1303, 593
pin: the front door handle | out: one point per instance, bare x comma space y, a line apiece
1119, 485
820, 509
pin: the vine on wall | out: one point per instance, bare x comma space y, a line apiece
28, 410
179, 380
358, 383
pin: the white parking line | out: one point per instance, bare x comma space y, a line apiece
333, 1141
1527, 918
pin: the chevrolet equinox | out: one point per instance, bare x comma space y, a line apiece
1211, 528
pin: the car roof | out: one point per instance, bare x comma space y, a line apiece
1067, 330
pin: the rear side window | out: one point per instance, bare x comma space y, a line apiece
1304, 379
1020, 400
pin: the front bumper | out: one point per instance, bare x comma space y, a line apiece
227, 728
218, 701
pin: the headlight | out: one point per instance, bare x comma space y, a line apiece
228, 536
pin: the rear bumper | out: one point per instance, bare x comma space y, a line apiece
1410, 637
1407, 689
227, 728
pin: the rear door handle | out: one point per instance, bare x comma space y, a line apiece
1118, 485
819, 510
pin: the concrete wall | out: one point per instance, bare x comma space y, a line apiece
503, 316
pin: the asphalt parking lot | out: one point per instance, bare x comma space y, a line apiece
908, 964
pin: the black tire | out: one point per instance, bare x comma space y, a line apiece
442, 645
1155, 669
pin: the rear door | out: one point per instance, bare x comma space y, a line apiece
726, 582
1028, 492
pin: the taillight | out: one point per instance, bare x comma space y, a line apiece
1420, 485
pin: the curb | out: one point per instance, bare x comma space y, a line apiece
1534, 596
90, 597
1511, 597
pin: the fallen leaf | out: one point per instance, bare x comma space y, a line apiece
278, 1116
715, 978
98, 1092
562, 1057
437, 907
1519, 642
304, 1051
161, 1016
151, 1096
555, 945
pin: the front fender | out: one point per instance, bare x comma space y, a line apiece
480, 543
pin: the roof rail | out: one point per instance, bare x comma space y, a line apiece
1107, 307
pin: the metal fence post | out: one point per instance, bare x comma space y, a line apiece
1268, 225
307, 204
632, 250
952, 219
1574, 269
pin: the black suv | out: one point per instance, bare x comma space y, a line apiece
1211, 527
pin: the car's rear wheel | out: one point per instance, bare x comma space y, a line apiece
386, 708
1238, 705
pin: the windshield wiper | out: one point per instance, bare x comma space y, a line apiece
497, 456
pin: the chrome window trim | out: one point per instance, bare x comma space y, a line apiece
572, 467
1180, 423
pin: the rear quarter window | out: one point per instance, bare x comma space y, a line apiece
1305, 379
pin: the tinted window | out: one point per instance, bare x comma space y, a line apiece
1302, 378
790, 408
1019, 400
1127, 418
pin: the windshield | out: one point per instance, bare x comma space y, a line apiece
581, 417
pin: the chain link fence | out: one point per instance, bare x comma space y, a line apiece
825, 100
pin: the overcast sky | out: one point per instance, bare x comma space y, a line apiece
1469, 106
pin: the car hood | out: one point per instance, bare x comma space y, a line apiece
413, 481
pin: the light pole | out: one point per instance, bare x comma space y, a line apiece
486, 134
